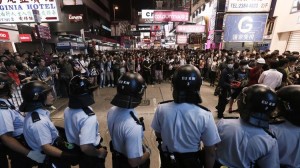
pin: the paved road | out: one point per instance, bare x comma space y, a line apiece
154, 95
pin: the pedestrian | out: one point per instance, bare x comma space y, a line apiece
39, 132
288, 133
271, 77
226, 78
11, 131
183, 124
247, 141
125, 129
81, 124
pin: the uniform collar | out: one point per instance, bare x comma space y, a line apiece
43, 112
5, 100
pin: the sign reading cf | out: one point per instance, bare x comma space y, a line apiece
245, 24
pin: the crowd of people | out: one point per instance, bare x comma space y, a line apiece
260, 82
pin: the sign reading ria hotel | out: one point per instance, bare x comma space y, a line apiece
20, 11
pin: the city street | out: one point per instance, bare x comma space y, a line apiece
155, 94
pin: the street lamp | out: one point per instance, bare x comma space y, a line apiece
115, 8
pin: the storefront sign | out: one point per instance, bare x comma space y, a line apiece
74, 18
4, 35
72, 2
245, 27
20, 11
171, 16
181, 39
63, 45
25, 37
190, 29
248, 6
147, 14
43, 32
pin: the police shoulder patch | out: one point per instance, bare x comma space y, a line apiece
3, 105
168, 101
88, 111
35, 117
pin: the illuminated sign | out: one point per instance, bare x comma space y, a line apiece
181, 39
171, 16
4, 35
20, 11
245, 27
147, 14
74, 18
248, 6
72, 2
25, 37
190, 29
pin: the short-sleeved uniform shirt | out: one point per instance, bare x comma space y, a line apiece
10, 120
183, 126
288, 138
80, 128
243, 145
126, 134
41, 132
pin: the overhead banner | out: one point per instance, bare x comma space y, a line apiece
20, 11
171, 16
244, 27
248, 5
181, 39
190, 29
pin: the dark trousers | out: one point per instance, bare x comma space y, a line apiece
64, 86
147, 76
222, 103
3, 157
121, 161
91, 162
212, 77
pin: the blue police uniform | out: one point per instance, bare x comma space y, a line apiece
41, 132
183, 126
244, 145
10, 119
288, 136
127, 136
81, 128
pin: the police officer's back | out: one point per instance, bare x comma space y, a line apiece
81, 124
125, 129
288, 132
11, 131
247, 142
39, 132
182, 124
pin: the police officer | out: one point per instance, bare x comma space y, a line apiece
125, 129
183, 124
11, 130
39, 132
81, 124
247, 142
288, 133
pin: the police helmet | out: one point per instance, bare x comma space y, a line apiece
130, 90
186, 85
34, 95
288, 103
5, 84
81, 92
256, 103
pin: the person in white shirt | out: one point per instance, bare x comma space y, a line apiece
271, 77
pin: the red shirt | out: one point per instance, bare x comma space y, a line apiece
15, 77
254, 76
